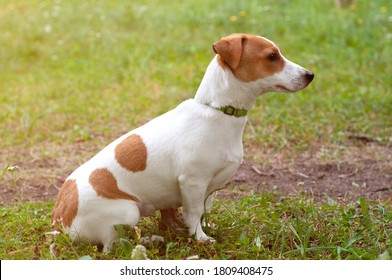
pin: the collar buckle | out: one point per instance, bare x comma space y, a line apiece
231, 111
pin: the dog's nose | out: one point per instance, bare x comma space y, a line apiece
309, 76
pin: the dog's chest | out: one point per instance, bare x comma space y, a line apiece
223, 176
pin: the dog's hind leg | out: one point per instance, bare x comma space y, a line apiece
97, 226
127, 215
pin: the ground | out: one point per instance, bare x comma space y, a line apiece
357, 169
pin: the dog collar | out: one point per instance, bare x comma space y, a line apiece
231, 111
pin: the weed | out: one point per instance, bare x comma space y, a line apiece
14, 170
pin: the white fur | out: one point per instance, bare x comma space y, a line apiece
192, 150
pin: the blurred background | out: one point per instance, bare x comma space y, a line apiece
77, 71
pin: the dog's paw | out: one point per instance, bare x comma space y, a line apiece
172, 219
205, 240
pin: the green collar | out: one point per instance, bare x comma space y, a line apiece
231, 111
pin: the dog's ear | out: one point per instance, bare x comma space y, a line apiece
230, 49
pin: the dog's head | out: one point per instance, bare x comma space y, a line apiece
253, 58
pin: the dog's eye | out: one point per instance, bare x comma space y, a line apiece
273, 57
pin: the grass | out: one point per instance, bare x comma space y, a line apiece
86, 72
255, 227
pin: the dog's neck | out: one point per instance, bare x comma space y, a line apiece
220, 88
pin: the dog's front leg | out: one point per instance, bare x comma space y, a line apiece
193, 197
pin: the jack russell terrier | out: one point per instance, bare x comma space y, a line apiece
181, 157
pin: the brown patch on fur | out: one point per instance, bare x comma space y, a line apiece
105, 185
259, 58
66, 206
131, 153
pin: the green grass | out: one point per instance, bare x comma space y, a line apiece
76, 71
256, 227
71, 70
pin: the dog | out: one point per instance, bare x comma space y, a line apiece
181, 157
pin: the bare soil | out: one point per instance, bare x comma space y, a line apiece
340, 172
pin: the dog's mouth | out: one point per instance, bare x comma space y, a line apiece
284, 89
